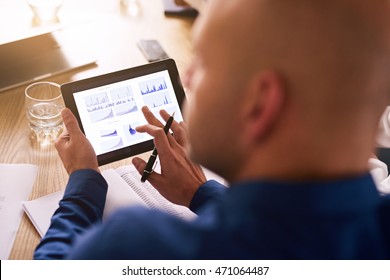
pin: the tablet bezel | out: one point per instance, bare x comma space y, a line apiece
69, 89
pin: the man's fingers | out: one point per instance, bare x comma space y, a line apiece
150, 117
152, 130
160, 138
154, 178
63, 138
181, 3
176, 127
139, 164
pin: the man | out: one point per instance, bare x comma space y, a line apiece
285, 102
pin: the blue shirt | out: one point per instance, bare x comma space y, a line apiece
343, 219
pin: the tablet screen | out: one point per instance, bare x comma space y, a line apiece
108, 107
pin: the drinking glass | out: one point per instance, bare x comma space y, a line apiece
44, 103
45, 10
131, 7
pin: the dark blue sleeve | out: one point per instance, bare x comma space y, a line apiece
209, 191
81, 207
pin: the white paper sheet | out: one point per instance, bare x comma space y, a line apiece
16, 182
41, 210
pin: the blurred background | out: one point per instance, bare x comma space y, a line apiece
110, 28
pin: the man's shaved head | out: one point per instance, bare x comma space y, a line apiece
333, 57
315, 44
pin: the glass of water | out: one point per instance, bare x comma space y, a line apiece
45, 10
44, 104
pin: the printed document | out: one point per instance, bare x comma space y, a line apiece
16, 182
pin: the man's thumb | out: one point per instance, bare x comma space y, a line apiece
70, 122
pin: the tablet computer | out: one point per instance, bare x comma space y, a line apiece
108, 107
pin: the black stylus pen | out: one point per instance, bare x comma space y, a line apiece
153, 156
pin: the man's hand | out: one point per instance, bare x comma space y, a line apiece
74, 149
180, 177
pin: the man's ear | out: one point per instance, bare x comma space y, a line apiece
263, 104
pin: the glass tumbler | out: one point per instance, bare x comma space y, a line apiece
44, 103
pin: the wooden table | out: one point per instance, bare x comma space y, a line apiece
114, 31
